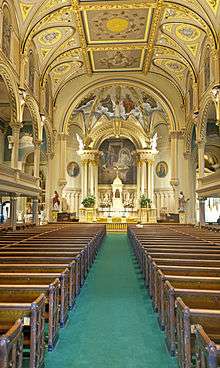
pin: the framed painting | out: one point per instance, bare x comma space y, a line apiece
162, 169
73, 169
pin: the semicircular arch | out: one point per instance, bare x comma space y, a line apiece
149, 89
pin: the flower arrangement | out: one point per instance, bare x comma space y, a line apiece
145, 202
89, 201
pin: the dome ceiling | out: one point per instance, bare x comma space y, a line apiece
82, 38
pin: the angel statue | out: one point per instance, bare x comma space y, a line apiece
153, 142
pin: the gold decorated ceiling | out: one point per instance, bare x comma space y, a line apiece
153, 36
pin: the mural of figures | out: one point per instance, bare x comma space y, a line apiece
117, 155
117, 101
161, 169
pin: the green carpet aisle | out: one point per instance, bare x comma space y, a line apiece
113, 325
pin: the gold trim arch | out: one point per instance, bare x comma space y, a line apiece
151, 90
32, 105
127, 130
13, 92
203, 121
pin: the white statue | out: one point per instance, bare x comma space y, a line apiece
153, 142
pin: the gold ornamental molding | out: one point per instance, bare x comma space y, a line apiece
117, 47
157, 17
82, 37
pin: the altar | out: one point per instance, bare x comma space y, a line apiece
117, 174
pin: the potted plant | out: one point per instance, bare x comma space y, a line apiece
89, 201
145, 202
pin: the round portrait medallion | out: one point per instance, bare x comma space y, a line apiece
73, 169
162, 169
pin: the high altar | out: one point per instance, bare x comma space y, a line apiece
117, 174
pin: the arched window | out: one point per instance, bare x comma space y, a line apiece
207, 70
6, 32
31, 71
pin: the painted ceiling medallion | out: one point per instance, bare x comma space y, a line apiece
117, 25
187, 33
177, 67
50, 37
62, 69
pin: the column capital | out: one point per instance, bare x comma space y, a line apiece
202, 198
90, 156
37, 143
147, 155
16, 127
187, 155
201, 143
176, 134
62, 137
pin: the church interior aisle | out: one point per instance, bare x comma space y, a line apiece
113, 325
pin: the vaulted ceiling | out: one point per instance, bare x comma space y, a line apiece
75, 38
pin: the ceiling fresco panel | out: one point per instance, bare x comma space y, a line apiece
117, 60
117, 25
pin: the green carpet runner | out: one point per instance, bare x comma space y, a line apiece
114, 325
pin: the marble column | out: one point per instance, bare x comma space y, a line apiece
15, 146
91, 177
85, 178
37, 159
49, 179
77, 203
174, 136
138, 180
150, 180
143, 176
202, 210
201, 160
13, 212
147, 175
35, 217
63, 141
96, 184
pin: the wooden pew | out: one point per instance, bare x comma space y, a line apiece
31, 308
186, 318
67, 277
207, 351
200, 279
11, 344
51, 291
193, 298
153, 262
85, 253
